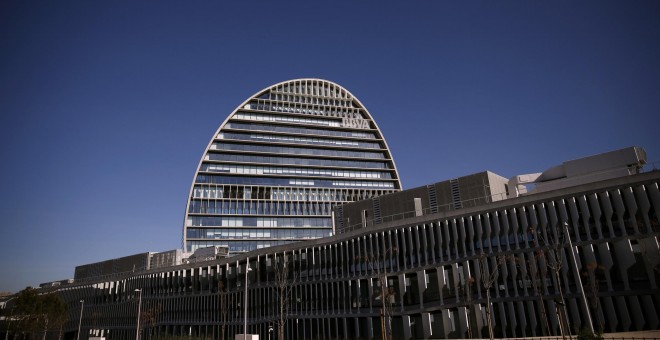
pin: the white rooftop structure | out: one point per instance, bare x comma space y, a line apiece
613, 164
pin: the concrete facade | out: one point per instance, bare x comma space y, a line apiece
434, 266
463, 192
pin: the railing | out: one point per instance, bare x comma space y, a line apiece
636, 335
111, 276
605, 336
574, 337
651, 166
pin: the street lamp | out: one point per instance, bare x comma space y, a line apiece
245, 302
11, 317
270, 330
579, 279
82, 306
137, 330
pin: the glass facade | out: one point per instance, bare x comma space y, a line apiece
279, 164
281, 149
295, 161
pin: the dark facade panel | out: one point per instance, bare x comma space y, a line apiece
115, 266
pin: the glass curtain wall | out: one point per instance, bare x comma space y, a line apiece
280, 162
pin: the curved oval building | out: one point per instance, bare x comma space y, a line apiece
280, 162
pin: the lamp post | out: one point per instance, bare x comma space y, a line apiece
579, 279
137, 329
11, 317
45, 329
270, 330
245, 302
82, 307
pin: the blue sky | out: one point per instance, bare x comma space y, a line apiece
107, 106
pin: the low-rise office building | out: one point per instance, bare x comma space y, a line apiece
577, 257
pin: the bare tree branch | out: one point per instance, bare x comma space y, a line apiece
286, 277
488, 279
378, 264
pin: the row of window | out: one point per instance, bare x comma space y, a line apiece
296, 161
304, 108
296, 151
299, 130
362, 184
267, 222
273, 170
258, 208
283, 194
214, 179
234, 246
312, 87
311, 100
306, 233
298, 140
288, 119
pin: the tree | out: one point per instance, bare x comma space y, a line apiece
488, 279
593, 273
466, 290
586, 334
285, 279
537, 277
556, 260
37, 313
224, 308
387, 295
149, 317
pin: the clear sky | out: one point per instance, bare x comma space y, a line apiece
107, 106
